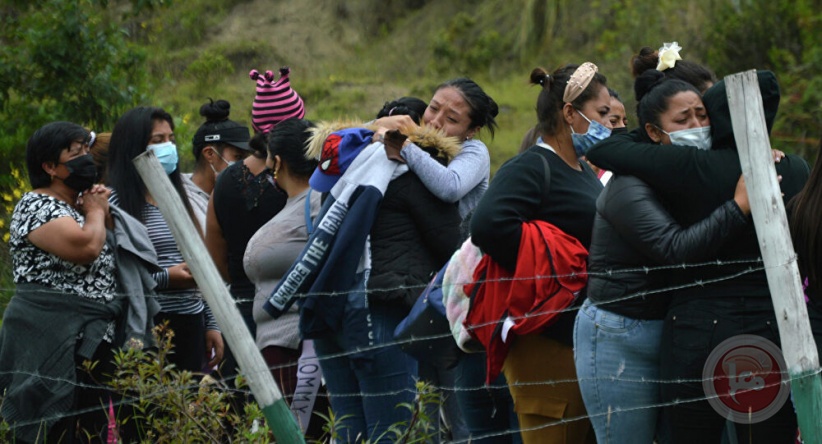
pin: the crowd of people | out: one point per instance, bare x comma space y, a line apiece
327, 233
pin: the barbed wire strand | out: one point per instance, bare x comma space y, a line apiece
163, 392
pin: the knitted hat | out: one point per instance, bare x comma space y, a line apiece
275, 101
339, 150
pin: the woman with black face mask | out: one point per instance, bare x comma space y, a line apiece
65, 279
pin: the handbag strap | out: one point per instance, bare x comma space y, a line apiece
309, 226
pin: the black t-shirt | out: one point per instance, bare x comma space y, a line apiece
518, 194
243, 203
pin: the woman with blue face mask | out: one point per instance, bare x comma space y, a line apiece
548, 183
196, 336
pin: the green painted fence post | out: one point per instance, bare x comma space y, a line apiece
768, 210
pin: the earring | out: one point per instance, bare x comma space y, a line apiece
275, 173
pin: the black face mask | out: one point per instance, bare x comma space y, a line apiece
82, 173
616, 131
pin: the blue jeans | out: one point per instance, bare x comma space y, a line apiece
445, 380
369, 398
488, 410
617, 360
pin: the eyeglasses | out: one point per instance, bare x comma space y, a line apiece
79, 145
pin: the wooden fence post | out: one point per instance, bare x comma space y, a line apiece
768, 210
262, 384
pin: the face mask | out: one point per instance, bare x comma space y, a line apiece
596, 132
621, 130
698, 137
228, 164
82, 173
167, 155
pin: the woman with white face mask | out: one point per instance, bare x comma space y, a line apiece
217, 144
710, 304
617, 335
196, 336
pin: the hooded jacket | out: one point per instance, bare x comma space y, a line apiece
693, 183
332, 271
415, 232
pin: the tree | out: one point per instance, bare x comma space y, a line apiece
62, 60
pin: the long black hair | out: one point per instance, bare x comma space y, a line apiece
288, 140
806, 227
129, 139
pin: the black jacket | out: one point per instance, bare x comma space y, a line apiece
695, 182
414, 235
633, 233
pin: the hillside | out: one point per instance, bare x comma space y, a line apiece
349, 57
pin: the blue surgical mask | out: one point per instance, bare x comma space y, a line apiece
596, 132
698, 137
166, 153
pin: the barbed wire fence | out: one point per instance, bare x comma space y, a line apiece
741, 268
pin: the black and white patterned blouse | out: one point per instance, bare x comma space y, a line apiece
32, 265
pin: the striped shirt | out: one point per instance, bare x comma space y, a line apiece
176, 301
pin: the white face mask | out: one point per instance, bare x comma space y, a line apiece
698, 137
228, 164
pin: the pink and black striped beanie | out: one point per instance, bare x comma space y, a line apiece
275, 101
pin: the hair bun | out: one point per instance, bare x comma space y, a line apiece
215, 111
541, 77
646, 59
647, 81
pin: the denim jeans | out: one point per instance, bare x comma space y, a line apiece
617, 361
488, 410
449, 411
369, 398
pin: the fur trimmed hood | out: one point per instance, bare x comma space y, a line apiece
425, 137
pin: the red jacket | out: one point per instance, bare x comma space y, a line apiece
551, 270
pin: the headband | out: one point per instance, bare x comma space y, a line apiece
579, 81
668, 55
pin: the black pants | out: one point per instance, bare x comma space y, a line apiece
189, 340
692, 330
89, 424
